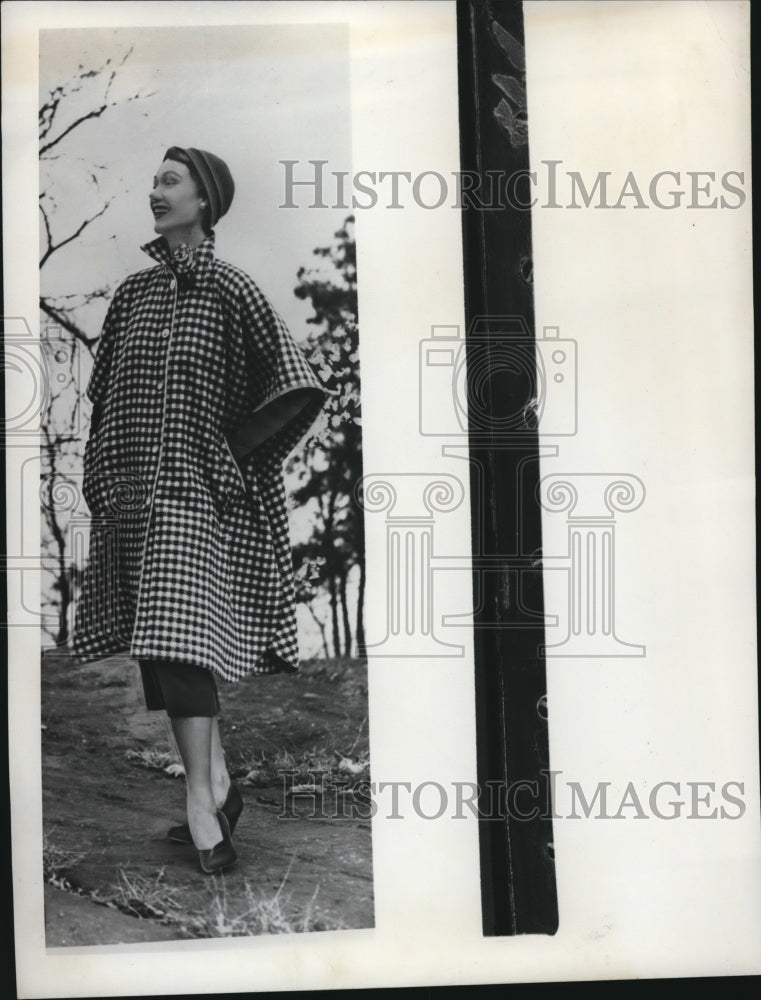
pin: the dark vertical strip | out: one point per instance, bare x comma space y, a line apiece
517, 861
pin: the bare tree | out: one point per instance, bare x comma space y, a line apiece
70, 333
64, 110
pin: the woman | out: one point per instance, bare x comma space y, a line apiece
198, 395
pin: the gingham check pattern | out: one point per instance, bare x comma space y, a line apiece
189, 554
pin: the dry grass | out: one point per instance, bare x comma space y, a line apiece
148, 898
154, 899
157, 760
332, 764
57, 863
259, 914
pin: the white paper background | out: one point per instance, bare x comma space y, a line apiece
659, 303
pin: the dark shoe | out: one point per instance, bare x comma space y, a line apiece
232, 808
221, 855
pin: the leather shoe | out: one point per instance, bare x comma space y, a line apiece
221, 855
232, 808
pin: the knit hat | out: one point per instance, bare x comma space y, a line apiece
215, 177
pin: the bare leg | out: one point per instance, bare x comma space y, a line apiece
194, 741
220, 779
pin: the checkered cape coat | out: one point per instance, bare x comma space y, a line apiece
190, 556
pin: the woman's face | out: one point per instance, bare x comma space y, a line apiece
175, 201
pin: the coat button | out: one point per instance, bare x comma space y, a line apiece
164, 332
154, 449
172, 282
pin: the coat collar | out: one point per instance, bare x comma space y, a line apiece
191, 266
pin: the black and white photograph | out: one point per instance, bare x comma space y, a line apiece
203, 689
380, 494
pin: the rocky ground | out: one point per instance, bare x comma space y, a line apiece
112, 785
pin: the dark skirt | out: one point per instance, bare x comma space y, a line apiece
181, 689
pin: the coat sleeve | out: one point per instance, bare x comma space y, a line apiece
285, 395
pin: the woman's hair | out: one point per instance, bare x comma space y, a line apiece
180, 156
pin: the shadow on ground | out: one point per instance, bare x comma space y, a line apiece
109, 796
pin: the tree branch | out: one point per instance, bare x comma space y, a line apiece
47, 112
48, 250
80, 299
67, 324
52, 247
90, 114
